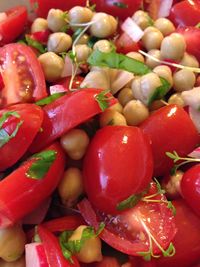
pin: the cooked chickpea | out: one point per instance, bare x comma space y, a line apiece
176, 99
18, 263
165, 26
111, 117
135, 86
12, 243
164, 72
75, 143
71, 186
104, 25
82, 51
125, 95
84, 39
189, 61
59, 42
173, 47
103, 46
56, 20
91, 249
184, 80
135, 112
151, 63
136, 56
52, 66
39, 24
152, 38
96, 79
79, 14
142, 19
116, 107
156, 104
172, 186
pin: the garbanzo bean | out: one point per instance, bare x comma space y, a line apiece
82, 52
176, 99
75, 143
152, 38
91, 249
135, 112
18, 263
165, 26
96, 79
59, 42
103, 45
136, 55
52, 66
151, 62
142, 19
164, 72
84, 39
56, 20
79, 14
125, 95
12, 243
189, 60
172, 186
156, 104
71, 186
183, 80
111, 117
116, 107
39, 24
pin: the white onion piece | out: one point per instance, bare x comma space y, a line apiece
68, 68
164, 9
121, 80
195, 153
132, 29
57, 88
35, 255
3, 16
192, 98
195, 117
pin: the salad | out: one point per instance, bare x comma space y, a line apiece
99, 134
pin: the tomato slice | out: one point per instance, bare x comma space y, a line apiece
13, 25
31, 117
125, 44
22, 75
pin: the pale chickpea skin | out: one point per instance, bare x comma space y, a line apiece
164, 72
135, 112
176, 99
18, 263
125, 95
111, 117
96, 79
75, 143
56, 20
189, 61
52, 66
59, 42
136, 56
84, 39
151, 63
103, 46
71, 186
78, 15
152, 38
116, 107
104, 25
91, 249
12, 243
141, 18
82, 51
39, 25
173, 47
183, 80
165, 26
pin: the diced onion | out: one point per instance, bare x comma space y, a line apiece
164, 9
192, 98
132, 29
57, 88
195, 153
69, 68
3, 16
35, 255
122, 78
195, 117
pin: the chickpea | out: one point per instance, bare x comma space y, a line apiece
52, 66
136, 56
82, 51
164, 72
152, 38
111, 117
59, 42
104, 25
176, 99
56, 20
18, 263
78, 15
91, 249
184, 80
189, 61
103, 46
151, 62
12, 243
71, 186
165, 26
84, 39
172, 185
156, 104
96, 79
125, 95
116, 107
135, 112
173, 47
39, 25
142, 19
135, 86
75, 143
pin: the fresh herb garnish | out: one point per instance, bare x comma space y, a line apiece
4, 136
92, 40
41, 166
37, 45
49, 99
120, 5
103, 99
77, 33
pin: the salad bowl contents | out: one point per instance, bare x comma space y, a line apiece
99, 134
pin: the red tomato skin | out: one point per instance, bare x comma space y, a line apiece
14, 25
116, 154
107, 262
17, 190
125, 44
66, 113
32, 117
169, 129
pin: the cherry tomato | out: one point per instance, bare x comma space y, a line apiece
41, 37
13, 25
22, 75
19, 190
29, 121
118, 163
125, 44
170, 129
66, 81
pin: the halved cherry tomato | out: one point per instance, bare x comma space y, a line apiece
13, 25
22, 75
170, 129
66, 113
125, 44
20, 194
31, 117
118, 164
41, 37
76, 82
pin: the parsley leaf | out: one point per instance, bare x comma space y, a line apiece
103, 100
49, 99
34, 43
120, 5
41, 166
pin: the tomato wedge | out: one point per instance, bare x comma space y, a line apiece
30, 120
22, 75
13, 25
